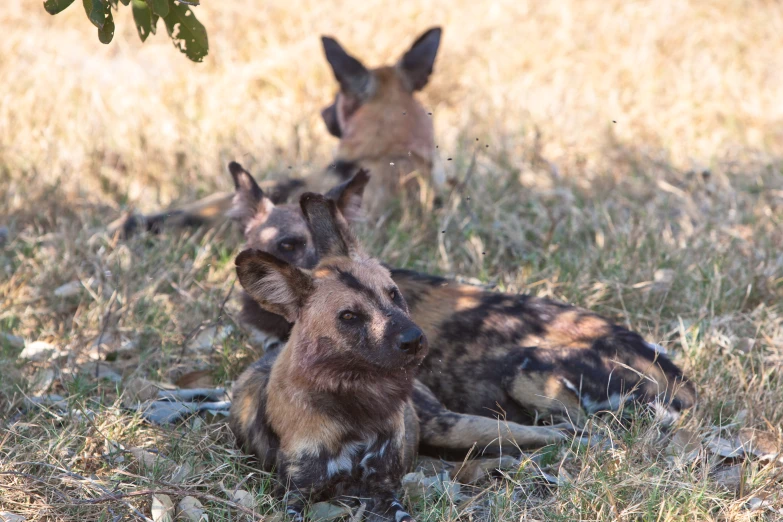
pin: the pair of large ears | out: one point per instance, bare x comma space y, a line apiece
250, 200
282, 288
356, 80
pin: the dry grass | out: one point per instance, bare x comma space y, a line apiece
670, 220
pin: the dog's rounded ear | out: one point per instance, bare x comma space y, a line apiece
249, 200
277, 286
348, 195
416, 64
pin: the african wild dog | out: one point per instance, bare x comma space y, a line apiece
281, 230
519, 357
332, 410
380, 124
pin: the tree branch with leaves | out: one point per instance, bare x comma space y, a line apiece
185, 31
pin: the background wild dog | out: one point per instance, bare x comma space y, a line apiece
282, 230
381, 127
516, 356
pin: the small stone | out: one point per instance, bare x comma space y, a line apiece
741, 417
181, 473
725, 448
11, 340
162, 508
684, 446
148, 460
41, 381
761, 444
100, 370
190, 509
663, 279
756, 503
244, 498
209, 338
730, 477
137, 390
6, 516
38, 351
418, 486
53, 401
196, 379
326, 512
69, 289
746, 345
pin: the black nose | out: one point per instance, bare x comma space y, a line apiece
410, 340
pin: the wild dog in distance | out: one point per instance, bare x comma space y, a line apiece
381, 127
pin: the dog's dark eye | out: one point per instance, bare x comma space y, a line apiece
286, 246
347, 316
394, 295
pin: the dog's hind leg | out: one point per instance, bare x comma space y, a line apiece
445, 432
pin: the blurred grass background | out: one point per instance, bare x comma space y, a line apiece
634, 167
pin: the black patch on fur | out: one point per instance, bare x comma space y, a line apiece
329, 115
267, 322
413, 296
262, 369
349, 280
280, 193
321, 216
344, 169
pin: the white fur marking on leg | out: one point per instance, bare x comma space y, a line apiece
657, 348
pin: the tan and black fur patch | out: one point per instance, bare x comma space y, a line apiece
521, 357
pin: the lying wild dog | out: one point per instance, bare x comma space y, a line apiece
209, 210
518, 357
332, 411
380, 124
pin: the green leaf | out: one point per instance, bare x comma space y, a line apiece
142, 15
97, 11
160, 7
55, 6
187, 33
106, 33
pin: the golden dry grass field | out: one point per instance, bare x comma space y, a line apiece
635, 166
